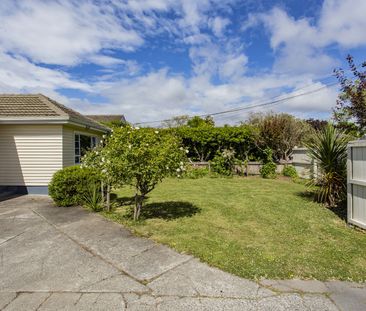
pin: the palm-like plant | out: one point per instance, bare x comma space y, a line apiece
328, 148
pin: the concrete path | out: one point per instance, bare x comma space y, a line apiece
68, 259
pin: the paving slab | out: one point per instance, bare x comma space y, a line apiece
6, 298
70, 259
348, 295
84, 302
306, 286
27, 302
198, 279
141, 258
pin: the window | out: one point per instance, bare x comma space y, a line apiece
82, 144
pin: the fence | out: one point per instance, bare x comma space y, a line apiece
304, 165
356, 183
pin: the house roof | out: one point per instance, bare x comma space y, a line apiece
37, 108
107, 117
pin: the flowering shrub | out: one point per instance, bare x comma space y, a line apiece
224, 162
139, 157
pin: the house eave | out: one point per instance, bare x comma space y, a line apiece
54, 120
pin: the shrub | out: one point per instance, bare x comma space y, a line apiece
268, 169
93, 197
224, 163
69, 186
195, 173
290, 171
329, 149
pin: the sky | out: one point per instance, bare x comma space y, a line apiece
156, 59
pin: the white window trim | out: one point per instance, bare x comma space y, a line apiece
78, 155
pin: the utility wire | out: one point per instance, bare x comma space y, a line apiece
272, 102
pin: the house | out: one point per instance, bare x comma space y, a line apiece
108, 118
39, 136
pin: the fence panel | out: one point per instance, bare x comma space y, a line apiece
356, 183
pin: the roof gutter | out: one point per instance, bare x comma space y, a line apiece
63, 120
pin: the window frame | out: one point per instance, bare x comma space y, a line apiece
77, 145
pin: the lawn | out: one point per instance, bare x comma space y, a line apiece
250, 227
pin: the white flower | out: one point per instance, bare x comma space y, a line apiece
104, 136
129, 146
147, 144
137, 128
97, 153
156, 132
178, 170
181, 163
181, 148
187, 150
103, 159
167, 167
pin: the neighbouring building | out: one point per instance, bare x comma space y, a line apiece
39, 136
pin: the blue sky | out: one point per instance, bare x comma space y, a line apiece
155, 59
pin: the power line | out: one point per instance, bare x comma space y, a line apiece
272, 102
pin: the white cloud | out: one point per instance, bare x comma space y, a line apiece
61, 32
17, 73
72, 32
300, 44
218, 25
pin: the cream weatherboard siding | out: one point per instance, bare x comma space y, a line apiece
68, 141
68, 137
30, 154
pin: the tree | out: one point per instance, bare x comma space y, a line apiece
176, 121
317, 124
143, 158
280, 132
350, 111
199, 122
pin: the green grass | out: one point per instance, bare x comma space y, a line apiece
250, 227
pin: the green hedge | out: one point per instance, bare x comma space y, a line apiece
69, 186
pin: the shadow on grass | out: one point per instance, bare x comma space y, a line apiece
307, 195
165, 210
340, 211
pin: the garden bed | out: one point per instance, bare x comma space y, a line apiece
250, 227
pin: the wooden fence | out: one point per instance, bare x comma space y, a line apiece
356, 183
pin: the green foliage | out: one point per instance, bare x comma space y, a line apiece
93, 197
196, 172
204, 142
280, 132
69, 186
223, 163
268, 169
289, 171
329, 149
199, 122
143, 158
350, 112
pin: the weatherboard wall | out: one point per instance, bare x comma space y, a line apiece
29, 154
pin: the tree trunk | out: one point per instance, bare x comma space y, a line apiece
108, 197
102, 191
138, 205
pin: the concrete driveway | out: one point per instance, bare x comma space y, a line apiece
69, 259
